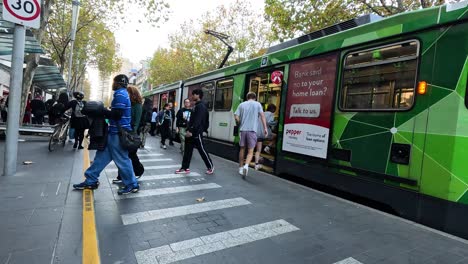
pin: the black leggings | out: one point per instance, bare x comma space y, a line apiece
79, 136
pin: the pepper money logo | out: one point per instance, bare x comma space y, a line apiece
293, 132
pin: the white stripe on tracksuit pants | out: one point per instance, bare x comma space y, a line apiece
198, 143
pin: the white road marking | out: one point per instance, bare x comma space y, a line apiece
162, 191
152, 215
112, 164
167, 176
348, 261
150, 167
211, 243
58, 188
149, 155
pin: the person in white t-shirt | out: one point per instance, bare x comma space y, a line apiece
247, 115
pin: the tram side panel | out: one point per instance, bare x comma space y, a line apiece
446, 140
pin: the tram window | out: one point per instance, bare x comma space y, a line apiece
380, 79
208, 94
223, 100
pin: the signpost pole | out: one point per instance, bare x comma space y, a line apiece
75, 14
14, 101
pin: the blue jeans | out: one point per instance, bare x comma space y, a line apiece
115, 152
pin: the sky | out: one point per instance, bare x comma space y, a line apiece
137, 46
139, 41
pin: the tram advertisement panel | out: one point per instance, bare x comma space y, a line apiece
309, 106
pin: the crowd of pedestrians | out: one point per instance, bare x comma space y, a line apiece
130, 112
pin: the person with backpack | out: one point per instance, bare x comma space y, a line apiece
183, 118
165, 124
119, 117
197, 124
78, 121
137, 109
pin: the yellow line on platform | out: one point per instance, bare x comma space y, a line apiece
90, 244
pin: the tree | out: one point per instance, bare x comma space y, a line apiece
193, 52
112, 12
388, 8
292, 18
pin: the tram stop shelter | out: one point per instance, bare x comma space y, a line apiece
47, 76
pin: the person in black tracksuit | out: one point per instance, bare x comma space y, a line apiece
198, 124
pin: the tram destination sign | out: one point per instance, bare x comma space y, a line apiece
23, 12
309, 105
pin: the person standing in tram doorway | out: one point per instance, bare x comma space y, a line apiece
247, 115
183, 118
198, 123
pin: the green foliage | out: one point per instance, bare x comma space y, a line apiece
292, 18
193, 52
95, 44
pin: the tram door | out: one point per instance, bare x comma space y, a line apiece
269, 96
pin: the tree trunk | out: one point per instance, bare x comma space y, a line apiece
32, 60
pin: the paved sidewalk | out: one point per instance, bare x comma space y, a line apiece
33, 201
263, 219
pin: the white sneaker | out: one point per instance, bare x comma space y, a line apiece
245, 171
164, 147
241, 170
258, 166
267, 150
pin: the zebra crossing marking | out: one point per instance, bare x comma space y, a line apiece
150, 167
170, 190
167, 176
150, 155
211, 243
348, 261
152, 215
112, 164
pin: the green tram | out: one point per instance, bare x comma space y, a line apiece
373, 107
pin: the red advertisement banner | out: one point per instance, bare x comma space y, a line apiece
309, 106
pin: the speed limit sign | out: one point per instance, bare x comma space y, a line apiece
23, 12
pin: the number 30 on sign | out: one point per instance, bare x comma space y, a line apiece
24, 12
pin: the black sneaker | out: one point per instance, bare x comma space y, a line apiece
128, 190
80, 147
84, 185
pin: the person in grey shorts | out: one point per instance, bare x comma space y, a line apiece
247, 115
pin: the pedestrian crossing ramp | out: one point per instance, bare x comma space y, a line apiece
159, 170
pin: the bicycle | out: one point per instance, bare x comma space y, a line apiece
60, 133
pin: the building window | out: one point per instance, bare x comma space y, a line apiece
223, 100
208, 94
382, 78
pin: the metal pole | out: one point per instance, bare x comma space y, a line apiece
75, 13
14, 101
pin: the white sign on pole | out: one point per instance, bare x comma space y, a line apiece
23, 12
